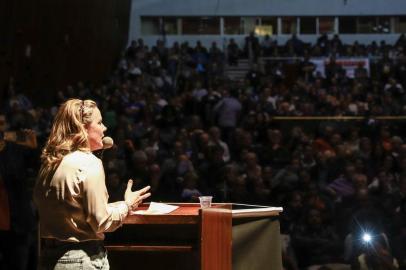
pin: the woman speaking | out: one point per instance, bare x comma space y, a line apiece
71, 194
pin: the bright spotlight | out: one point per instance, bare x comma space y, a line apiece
366, 237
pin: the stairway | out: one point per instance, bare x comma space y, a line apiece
239, 71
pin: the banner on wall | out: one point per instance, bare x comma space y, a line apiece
348, 64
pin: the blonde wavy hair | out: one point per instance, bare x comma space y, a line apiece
68, 133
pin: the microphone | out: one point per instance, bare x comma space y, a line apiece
107, 142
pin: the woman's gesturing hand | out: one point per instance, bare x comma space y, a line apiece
135, 198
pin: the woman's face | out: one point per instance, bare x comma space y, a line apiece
95, 131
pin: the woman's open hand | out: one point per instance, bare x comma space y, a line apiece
135, 198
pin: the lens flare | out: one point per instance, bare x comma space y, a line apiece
366, 237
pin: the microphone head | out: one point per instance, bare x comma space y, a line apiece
107, 142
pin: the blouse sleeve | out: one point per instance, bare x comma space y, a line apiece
102, 216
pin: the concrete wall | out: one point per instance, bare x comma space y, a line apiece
262, 8
268, 7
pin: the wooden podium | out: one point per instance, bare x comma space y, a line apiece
221, 237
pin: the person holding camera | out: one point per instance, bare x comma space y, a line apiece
71, 193
376, 255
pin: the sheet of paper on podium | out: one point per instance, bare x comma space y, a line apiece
156, 209
249, 208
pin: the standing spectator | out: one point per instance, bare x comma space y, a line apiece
333, 68
232, 53
254, 76
132, 50
323, 43
306, 69
18, 243
228, 110
296, 45
252, 48
266, 46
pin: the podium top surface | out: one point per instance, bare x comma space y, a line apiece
189, 213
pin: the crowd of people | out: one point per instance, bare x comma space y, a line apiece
185, 129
